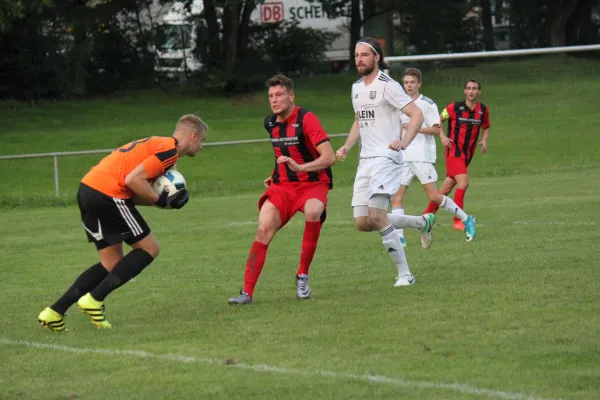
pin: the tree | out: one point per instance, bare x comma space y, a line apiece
69, 48
582, 28
438, 26
358, 19
11, 10
558, 14
488, 29
552, 22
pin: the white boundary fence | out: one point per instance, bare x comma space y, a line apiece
492, 54
57, 154
426, 57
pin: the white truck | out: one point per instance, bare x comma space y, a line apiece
175, 54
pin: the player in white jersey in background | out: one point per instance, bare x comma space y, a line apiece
419, 157
377, 98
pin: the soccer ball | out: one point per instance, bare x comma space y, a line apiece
170, 181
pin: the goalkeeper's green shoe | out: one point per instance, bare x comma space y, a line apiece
51, 320
95, 310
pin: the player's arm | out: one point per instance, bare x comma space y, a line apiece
485, 131
484, 137
444, 115
413, 127
138, 182
326, 159
139, 201
351, 140
430, 130
316, 134
269, 180
432, 123
446, 142
395, 95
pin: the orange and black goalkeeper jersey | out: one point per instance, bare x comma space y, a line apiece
155, 153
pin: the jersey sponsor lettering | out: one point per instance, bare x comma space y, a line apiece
464, 127
298, 138
376, 107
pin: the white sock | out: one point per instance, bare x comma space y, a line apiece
449, 205
399, 211
404, 221
392, 244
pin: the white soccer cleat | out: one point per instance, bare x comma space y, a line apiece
426, 236
405, 280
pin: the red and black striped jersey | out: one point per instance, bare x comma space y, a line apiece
464, 126
297, 137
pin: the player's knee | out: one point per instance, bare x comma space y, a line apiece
153, 249
313, 215
109, 265
313, 209
436, 197
463, 185
264, 234
376, 220
362, 224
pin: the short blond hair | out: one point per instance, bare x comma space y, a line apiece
192, 121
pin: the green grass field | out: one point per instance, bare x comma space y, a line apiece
513, 315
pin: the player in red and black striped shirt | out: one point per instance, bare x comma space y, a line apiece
300, 181
466, 120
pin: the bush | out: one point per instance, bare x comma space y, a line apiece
282, 48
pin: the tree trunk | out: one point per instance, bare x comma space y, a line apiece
244, 36
231, 36
389, 34
556, 34
212, 30
355, 25
580, 28
79, 50
488, 29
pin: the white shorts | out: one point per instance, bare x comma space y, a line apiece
378, 175
424, 171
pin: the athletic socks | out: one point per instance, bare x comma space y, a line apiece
88, 280
394, 248
130, 266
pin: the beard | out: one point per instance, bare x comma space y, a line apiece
367, 70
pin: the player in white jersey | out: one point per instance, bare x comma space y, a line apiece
419, 157
377, 98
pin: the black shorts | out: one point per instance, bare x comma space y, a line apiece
109, 220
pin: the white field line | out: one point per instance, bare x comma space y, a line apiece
479, 225
374, 379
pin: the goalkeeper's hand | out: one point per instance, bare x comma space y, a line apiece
176, 201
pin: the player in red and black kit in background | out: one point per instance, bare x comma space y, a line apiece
300, 181
466, 120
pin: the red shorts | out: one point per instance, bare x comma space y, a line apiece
290, 197
455, 166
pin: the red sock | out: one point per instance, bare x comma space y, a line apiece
432, 207
312, 230
254, 266
459, 199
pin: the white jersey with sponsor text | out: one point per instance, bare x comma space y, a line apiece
422, 148
376, 107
